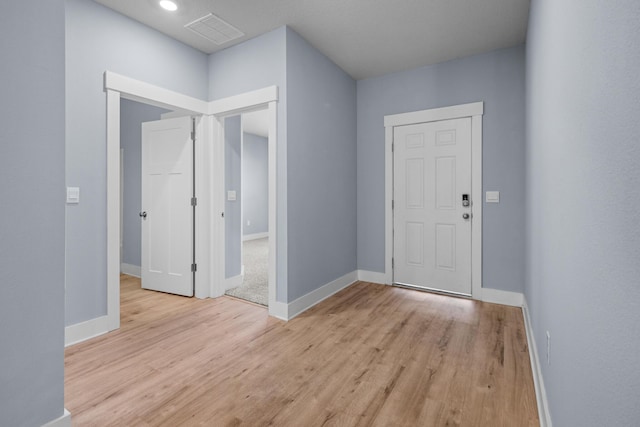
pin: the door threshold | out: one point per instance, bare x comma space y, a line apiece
431, 290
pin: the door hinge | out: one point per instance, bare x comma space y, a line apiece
392, 146
393, 263
194, 268
392, 204
194, 201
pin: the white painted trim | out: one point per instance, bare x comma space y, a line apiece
117, 87
130, 269
388, 197
63, 420
209, 188
113, 209
474, 111
174, 114
83, 331
146, 93
538, 381
307, 301
476, 202
274, 169
233, 282
237, 104
217, 237
435, 114
121, 203
255, 236
243, 102
498, 296
373, 277
279, 310
203, 147
241, 199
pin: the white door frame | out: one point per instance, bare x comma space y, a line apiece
117, 86
209, 185
474, 111
266, 98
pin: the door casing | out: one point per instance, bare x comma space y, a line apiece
474, 111
210, 257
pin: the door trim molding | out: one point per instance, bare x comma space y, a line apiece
210, 192
116, 87
474, 111
261, 99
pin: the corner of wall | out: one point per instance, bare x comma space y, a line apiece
498, 296
63, 421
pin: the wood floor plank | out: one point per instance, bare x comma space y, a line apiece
369, 355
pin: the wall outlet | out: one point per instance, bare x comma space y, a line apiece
548, 347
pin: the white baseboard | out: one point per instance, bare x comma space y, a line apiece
498, 296
372, 277
278, 310
79, 332
233, 282
255, 236
307, 301
131, 270
538, 381
62, 421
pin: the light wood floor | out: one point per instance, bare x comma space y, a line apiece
370, 355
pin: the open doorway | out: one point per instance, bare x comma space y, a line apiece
247, 206
156, 146
209, 184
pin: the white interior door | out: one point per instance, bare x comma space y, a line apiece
167, 217
432, 222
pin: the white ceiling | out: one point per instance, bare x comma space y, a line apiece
366, 38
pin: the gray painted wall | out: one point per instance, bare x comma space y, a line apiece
583, 184
32, 226
233, 182
321, 140
497, 78
132, 115
252, 65
99, 39
322, 246
255, 184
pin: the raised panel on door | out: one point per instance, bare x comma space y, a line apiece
432, 240
167, 229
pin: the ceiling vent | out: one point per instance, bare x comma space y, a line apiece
214, 29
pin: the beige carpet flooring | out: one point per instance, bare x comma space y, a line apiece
255, 258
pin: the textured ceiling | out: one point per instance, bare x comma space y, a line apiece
366, 38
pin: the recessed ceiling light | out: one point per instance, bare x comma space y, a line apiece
168, 5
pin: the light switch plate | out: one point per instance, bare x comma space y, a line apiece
231, 195
73, 195
493, 197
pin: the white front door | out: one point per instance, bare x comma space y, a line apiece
167, 217
432, 224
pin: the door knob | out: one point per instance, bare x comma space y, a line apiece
465, 215
143, 215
